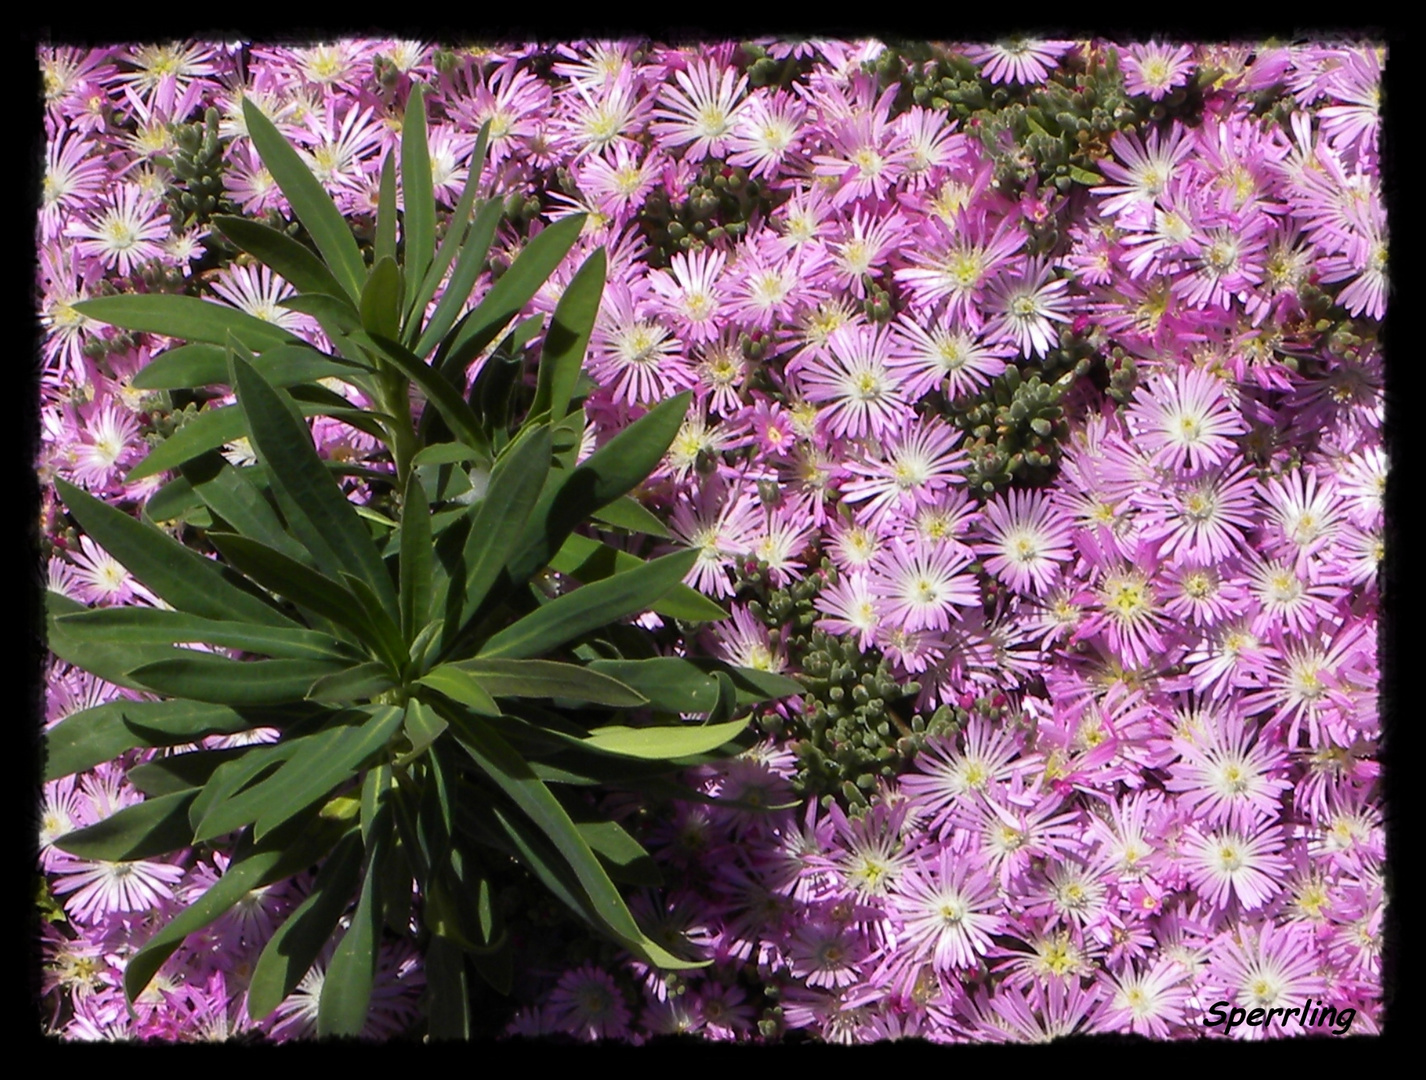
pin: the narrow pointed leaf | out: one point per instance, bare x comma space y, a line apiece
621, 854
550, 679
181, 772
417, 191
385, 244
312, 205
587, 560
361, 682
415, 559
381, 299
662, 743
590, 607
503, 515
462, 687
234, 495
218, 680
323, 520
183, 578
423, 727
153, 827
293, 262
185, 317
629, 514
346, 991
562, 355
157, 626
294, 948
282, 855
468, 266
456, 231
191, 366
442, 394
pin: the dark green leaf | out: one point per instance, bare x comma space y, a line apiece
360, 683
294, 948
415, 562
183, 578
184, 317
155, 826
589, 560
442, 394
312, 205
417, 190
453, 241
461, 687
468, 267
236, 496
180, 772
562, 355
629, 514
385, 244
502, 517
590, 607
298, 266
625, 859
381, 299
156, 626
346, 991
204, 677
549, 679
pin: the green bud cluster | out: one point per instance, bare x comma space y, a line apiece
718, 204
195, 193
857, 724
1016, 427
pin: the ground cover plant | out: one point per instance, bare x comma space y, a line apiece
758, 540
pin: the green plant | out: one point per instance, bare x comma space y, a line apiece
444, 697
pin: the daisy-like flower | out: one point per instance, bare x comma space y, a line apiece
944, 355
1227, 773
722, 523
596, 116
853, 375
103, 887
1130, 615
258, 292
947, 773
587, 1003
924, 586
163, 72
766, 132
1146, 169
943, 911
1186, 416
1232, 862
1025, 308
125, 233
1017, 59
1264, 967
688, 292
701, 111
1028, 539
957, 263
919, 462
874, 853
827, 954
1307, 514
109, 439
1155, 69
638, 358
1145, 1002
850, 607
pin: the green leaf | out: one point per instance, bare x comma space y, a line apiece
671, 683
562, 355
183, 578
360, 683
454, 240
181, 772
615, 469
662, 743
1085, 176
184, 367
381, 299
294, 948
631, 515
321, 517
590, 607
218, 680
442, 394
502, 517
156, 626
422, 727
625, 859
468, 267
282, 854
313, 773
294, 263
100, 734
461, 687
312, 205
446, 454
549, 679
417, 190
513, 776
346, 991
449, 1009
210, 815
415, 559
235, 496
333, 310
385, 243
155, 826
185, 317
177, 501
587, 560
508, 296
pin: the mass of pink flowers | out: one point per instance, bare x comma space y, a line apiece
1161, 640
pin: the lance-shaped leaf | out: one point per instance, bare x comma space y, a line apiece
590, 607
588, 560
235, 496
281, 855
468, 266
155, 826
359, 683
549, 679
461, 687
112, 663
381, 299
615, 469
422, 727
455, 240
100, 734
181, 772
183, 578
441, 392
502, 517
318, 512
385, 243
292, 261
677, 684
415, 561
185, 317
663, 743
508, 296
294, 948
312, 205
191, 366
512, 775
562, 355
157, 626
417, 190
202, 676
628, 513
